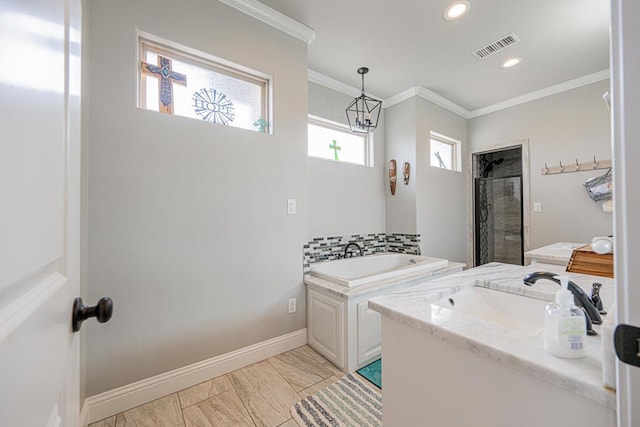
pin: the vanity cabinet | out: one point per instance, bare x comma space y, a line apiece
424, 373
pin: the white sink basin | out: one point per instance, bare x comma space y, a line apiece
522, 314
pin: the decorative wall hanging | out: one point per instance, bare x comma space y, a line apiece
406, 172
213, 106
262, 125
165, 82
363, 112
392, 176
335, 147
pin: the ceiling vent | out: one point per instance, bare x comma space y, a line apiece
496, 46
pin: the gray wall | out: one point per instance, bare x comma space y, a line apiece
187, 224
434, 203
441, 195
344, 199
400, 145
562, 127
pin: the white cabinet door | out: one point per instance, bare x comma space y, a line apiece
326, 326
369, 333
39, 213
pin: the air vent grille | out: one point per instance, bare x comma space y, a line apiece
496, 46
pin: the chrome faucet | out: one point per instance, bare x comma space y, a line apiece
581, 299
346, 249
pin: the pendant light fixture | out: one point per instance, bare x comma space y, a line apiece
363, 112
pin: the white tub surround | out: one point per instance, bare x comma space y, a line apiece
507, 375
358, 271
557, 253
341, 326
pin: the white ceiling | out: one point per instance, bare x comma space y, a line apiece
407, 43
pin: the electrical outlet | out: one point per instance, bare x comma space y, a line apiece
292, 305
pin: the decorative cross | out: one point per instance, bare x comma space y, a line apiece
262, 125
166, 78
335, 147
442, 165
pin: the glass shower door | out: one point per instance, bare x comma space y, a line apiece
499, 231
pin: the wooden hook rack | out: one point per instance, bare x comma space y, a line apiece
576, 167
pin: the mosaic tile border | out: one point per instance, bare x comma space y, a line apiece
320, 249
403, 243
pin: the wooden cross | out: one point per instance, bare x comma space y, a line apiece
166, 78
335, 147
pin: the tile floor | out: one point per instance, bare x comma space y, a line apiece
256, 395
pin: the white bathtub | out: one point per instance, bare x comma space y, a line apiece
360, 270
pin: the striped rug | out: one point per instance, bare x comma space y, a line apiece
348, 402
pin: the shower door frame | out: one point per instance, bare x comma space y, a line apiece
523, 144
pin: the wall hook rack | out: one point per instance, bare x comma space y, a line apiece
580, 167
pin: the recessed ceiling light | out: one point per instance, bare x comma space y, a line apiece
456, 10
511, 62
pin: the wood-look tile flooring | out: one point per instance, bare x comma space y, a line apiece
256, 395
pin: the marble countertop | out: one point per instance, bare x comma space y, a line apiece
412, 306
356, 291
556, 253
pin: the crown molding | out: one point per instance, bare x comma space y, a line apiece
328, 82
542, 93
429, 95
274, 18
443, 102
399, 97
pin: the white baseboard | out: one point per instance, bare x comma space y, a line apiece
114, 401
84, 414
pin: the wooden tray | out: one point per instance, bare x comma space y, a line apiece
584, 260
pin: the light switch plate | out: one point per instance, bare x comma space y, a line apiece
291, 206
537, 206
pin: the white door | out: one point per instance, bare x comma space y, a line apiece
625, 79
39, 211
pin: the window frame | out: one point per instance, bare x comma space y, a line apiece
456, 152
206, 61
340, 127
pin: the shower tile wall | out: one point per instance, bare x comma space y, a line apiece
321, 249
507, 227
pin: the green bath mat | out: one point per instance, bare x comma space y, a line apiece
373, 373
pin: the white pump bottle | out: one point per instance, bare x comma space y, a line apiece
564, 324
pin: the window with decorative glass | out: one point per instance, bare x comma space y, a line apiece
333, 141
193, 84
445, 152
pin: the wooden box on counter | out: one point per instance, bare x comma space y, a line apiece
584, 260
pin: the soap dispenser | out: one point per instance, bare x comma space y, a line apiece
564, 324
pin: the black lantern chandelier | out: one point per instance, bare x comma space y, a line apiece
363, 112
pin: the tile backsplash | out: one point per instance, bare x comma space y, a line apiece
321, 249
403, 243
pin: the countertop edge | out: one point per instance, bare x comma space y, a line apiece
586, 389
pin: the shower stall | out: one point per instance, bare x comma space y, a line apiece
498, 206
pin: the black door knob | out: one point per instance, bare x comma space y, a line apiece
101, 311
